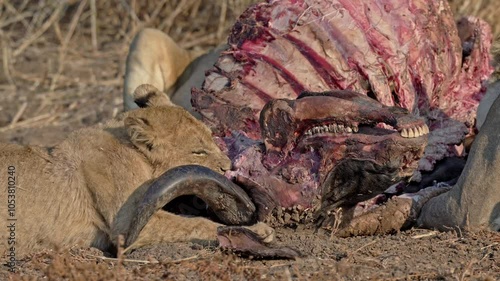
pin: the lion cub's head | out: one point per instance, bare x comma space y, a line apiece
169, 136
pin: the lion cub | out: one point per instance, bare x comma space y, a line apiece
86, 189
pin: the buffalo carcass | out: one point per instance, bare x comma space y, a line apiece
289, 99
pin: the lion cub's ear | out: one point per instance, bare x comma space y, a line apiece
147, 95
140, 131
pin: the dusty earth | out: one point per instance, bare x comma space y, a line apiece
62, 68
412, 255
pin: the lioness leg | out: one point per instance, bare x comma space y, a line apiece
154, 58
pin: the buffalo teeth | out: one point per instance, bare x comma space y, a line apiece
404, 133
411, 133
421, 131
331, 128
415, 132
425, 128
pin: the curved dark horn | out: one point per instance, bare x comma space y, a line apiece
229, 202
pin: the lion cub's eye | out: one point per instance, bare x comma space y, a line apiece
199, 152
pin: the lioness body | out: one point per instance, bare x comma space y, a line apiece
154, 58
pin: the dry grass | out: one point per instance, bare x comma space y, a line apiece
190, 22
63, 61
488, 10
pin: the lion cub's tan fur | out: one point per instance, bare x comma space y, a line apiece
85, 190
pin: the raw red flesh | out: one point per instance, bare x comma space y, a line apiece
406, 53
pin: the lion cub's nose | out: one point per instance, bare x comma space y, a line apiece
225, 165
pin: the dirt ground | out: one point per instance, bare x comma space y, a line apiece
412, 255
62, 69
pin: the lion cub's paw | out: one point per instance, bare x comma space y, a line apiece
263, 231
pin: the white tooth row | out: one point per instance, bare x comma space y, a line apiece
415, 132
331, 128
